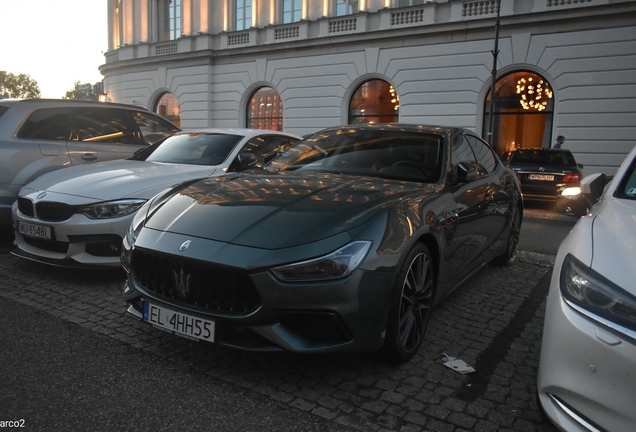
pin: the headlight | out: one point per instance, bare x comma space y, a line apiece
599, 297
112, 209
571, 191
128, 242
336, 265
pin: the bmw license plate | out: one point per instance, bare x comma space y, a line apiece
33, 230
546, 177
179, 323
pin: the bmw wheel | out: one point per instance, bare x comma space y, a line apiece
411, 306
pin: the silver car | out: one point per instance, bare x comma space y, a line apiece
40, 135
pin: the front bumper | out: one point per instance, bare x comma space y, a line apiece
586, 373
78, 241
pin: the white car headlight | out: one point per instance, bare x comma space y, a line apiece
596, 296
112, 209
336, 265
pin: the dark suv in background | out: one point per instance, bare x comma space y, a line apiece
41, 135
544, 173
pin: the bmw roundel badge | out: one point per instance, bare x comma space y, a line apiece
184, 245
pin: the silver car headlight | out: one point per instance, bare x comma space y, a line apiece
596, 296
111, 209
336, 265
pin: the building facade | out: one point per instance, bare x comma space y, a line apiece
563, 67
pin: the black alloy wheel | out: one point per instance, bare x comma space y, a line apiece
411, 306
510, 254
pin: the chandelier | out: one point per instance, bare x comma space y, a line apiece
534, 95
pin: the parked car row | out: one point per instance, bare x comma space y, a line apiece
342, 240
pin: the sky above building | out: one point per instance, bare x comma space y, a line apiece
56, 43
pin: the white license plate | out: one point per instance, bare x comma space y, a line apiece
179, 323
33, 230
546, 177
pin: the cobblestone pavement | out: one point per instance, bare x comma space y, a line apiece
493, 323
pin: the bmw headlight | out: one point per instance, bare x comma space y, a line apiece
599, 297
111, 209
336, 265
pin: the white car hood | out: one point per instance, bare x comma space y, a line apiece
614, 242
116, 179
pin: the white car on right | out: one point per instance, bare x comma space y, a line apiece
587, 370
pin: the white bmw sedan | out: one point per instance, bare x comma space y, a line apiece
77, 216
587, 371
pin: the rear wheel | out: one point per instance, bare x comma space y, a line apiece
411, 306
510, 254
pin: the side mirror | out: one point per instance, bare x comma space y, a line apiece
580, 166
466, 172
242, 162
593, 185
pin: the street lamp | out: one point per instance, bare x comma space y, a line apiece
495, 52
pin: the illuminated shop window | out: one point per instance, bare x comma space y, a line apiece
168, 107
265, 110
375, 101
171, 19
243, 14
524, 107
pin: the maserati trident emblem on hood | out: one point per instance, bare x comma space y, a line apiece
185, 245
182, 282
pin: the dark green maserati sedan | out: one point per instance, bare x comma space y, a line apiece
343, 242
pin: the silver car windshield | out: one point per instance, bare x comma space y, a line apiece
194, 148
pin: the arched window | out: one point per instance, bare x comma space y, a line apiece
265, 110
523, 111
375, 101
168, 107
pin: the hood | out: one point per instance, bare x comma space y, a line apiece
273, 211
614, 240
116, 179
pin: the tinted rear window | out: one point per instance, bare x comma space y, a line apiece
46, 124
542, 157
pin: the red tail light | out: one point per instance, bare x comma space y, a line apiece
572, 177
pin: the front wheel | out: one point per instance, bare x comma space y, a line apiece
510, 254
411, 304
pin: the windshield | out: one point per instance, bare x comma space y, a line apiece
627, 186
388, 153
542, 157
194, 148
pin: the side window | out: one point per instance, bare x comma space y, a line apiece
104, 125
486, 158
46, 124
461, 151
266, 147
464, 166
153, 128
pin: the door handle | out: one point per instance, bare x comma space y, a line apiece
89, 157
